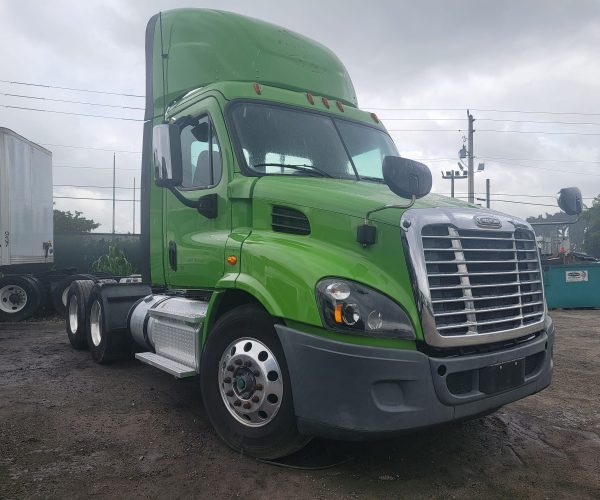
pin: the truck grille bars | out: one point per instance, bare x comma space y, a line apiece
477, 276
482, 281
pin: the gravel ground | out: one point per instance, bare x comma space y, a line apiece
70, 428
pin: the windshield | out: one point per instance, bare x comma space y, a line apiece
280, 140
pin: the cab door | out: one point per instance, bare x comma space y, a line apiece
194, 254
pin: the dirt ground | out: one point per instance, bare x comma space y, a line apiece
70, 428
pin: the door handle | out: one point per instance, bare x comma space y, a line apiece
173, 255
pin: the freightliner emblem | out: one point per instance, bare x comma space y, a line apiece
487, 221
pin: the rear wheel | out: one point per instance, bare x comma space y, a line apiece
60, 290
20, 297
246, 387
77, 308
105, 345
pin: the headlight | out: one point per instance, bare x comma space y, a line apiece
350, 307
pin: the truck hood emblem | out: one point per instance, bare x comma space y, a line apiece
487, 221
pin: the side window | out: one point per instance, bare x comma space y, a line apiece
200, 155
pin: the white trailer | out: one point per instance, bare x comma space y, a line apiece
26, 222
26, 225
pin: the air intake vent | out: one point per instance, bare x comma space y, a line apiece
288, 220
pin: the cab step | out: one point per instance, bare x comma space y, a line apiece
176, 369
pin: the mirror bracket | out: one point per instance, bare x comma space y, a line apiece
366, 234
206, 205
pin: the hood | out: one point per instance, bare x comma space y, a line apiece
348, 197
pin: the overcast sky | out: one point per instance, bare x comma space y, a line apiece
430, 60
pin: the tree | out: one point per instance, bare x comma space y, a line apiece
67, 222
591, 242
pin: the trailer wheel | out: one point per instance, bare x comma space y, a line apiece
60, 289
246, 386
105, 345
77, 300
20, 297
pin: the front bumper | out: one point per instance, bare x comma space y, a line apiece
349, 391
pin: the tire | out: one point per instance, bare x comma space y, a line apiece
20, 297
273, 434
60, 289
77, 308
104, 345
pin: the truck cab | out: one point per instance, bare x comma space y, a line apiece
298, 265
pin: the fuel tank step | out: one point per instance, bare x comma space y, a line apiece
176, 369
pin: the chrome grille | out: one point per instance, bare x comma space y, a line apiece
482, 281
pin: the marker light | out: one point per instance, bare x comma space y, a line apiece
340, 106
338, 313
257, 88
310, 98
375, 117
232, 260
325, 102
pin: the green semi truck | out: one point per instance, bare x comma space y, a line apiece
297, 265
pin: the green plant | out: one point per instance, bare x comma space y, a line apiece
113, 262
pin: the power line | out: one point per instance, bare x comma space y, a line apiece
520, 111
478, 157
90, 148
536, 160
570, 172
72, 113
88, 198
94, 187
440, 119
519, 202
70, 88
521, 195
544, 132
87, 103
95, 168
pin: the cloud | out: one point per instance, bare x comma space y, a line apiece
534, 55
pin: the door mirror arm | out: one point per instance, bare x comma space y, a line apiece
206, 205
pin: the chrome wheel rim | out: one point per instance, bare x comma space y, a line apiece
250, 382
13, 299
73, 318
65, 296
96, 323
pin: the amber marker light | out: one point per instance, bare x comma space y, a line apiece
232, 260
340, 106
310, 98
338, 313
375, 117
257, 88
325, 102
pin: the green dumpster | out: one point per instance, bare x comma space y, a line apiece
572, 285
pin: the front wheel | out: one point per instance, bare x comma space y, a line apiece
246, 385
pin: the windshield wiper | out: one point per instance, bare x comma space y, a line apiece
309, 169
373, 179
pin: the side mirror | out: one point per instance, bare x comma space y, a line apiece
569, 201
166, 155
406, 178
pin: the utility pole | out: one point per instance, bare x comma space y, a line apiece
452, 185
134, 205
471, 172
114, 170
487, 193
